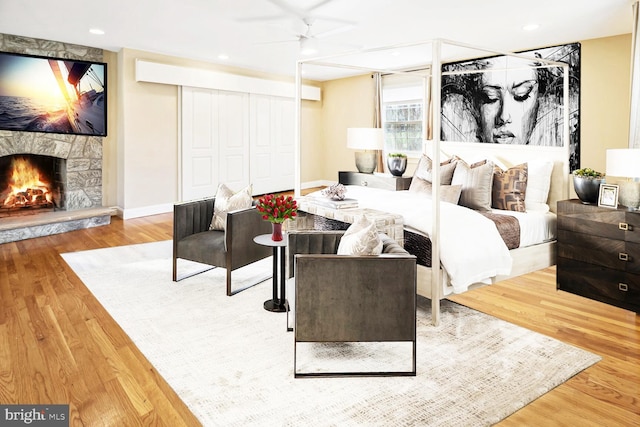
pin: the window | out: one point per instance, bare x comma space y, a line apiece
403, 113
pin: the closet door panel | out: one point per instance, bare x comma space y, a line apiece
199, 157
272, 143
233, 139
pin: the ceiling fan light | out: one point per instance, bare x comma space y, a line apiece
308, 46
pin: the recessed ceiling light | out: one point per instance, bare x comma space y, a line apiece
96, 31
223, 56
531, 27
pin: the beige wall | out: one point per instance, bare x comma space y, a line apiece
605, 90
345, 103
605, 102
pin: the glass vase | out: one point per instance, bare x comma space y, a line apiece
276, 231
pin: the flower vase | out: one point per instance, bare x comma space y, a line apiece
276, 234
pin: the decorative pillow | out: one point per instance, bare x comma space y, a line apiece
538, 183
509, 188
448, 193
425, 166
361, 238
226, 201
476, 181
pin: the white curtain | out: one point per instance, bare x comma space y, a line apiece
634, 125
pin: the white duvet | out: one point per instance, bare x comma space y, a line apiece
471, 249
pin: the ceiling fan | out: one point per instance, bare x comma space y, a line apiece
309, 42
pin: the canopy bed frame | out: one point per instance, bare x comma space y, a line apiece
434, 53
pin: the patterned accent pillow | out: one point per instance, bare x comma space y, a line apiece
226, 201
448, 193
425, 167
509, 188
476, 181
361, 238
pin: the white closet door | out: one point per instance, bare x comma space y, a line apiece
233, 139
272, 143
199, 153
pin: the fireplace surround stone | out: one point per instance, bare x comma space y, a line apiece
83, 157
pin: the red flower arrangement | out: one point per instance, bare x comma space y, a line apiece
277, 209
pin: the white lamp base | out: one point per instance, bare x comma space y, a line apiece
629, 195
366, 161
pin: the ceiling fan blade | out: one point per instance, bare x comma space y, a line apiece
292, 10
261, 18
334, 31
319, 4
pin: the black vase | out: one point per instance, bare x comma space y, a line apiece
397, 165
587, 189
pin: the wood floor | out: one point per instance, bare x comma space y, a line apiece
58, 345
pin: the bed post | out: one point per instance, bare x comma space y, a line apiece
436, 273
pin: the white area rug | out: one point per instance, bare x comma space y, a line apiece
231, 361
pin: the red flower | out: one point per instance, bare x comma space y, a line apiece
277, 208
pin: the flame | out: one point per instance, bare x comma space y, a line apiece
25, 186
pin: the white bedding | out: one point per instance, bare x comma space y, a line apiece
471, 249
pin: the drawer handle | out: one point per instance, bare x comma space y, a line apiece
623, 287
623, 226
364, 183
623, 257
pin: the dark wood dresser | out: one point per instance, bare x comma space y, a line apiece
599, 253
387, 182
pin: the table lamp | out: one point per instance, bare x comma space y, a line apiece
368, 139
625, 163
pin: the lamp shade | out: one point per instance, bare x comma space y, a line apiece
623, 162
365, 138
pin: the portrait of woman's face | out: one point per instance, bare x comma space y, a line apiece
508, 105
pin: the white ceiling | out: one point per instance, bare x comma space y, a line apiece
204, 29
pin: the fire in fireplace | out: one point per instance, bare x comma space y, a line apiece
30, 183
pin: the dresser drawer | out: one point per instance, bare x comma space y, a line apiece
614, 287
385, 182
598, 250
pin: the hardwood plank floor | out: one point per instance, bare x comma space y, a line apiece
58, 345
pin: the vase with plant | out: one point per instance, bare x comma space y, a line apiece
276, 210
586, 183
397, 163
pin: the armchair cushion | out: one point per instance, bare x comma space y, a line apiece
361, 238
227, 200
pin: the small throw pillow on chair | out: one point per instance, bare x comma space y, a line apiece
226, 201
361, 238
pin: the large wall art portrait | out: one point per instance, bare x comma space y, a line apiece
508, 100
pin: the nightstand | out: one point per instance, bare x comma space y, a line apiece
599, 253
387, 182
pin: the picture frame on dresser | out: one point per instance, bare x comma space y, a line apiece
608, 196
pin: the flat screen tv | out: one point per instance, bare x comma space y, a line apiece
40, 94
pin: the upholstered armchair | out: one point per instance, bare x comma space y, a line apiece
231, 248
348, 298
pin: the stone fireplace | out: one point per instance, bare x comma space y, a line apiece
75, 162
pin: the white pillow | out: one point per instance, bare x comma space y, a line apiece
538, 184
476, 181
361, 238
226, 201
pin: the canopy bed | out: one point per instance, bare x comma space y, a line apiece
431, 218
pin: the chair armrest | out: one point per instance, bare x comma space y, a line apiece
192, 217
242, 226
